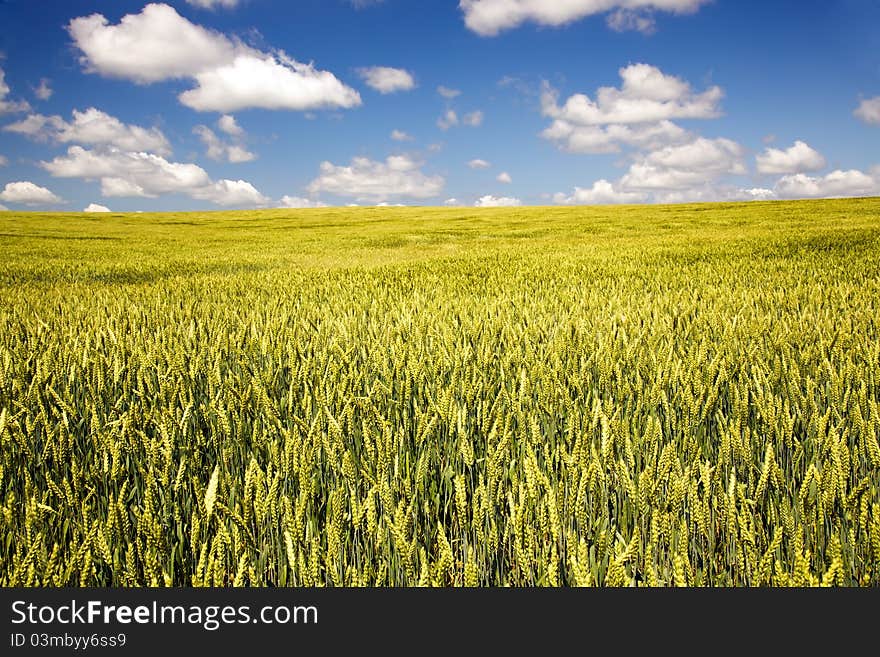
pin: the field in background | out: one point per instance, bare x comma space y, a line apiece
673, 395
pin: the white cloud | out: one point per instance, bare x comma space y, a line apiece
399, 176
474, 119
625, 20
219, 150
447, 92
159, 44
28, 193
705, 193
638, 113
609, 139
237, 154
400, 135
601, 193
709, 156
94, 207
756, 194
3, 161
92, 127
3, 208
268, 83
647, 94
123, 173
490, 201
869, 110
300, 202
479, 164
504, 177
36, 126
451, 202
9, 106
489, 17
213, 4
835, 184
685, 166
796, 159
44, 90
150, 174
230, 192
227, 124
386, 80
448, 120
604, 192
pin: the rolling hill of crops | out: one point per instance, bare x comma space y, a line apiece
670, 395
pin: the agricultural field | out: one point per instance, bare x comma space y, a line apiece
632, 396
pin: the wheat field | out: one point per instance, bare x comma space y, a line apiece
634, 396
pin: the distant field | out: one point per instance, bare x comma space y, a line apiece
667, 395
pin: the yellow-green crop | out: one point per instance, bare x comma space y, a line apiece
671, 395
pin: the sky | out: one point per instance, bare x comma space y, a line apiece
124, 106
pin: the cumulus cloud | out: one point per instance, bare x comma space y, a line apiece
230, 192
44, 90
489, 201
574, 138
473, 119
448, 120
679, 173
489, 17
219, 150
448, 92
504, 177
625, 20
755, 194
400, 135
3, 208
159, 44
796, 159
92, 127
478, 164
213, 4
685, 166
387, 80
275, 83
28, 193
3, 161
451, 202
156, 44
124, 173
9, 106
838, 183
399, 176
300, 202
601, 193
638, 113
147, 173
869, 110
228, 124
646, 94
94, 207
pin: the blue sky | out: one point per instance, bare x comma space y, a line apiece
211, 104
